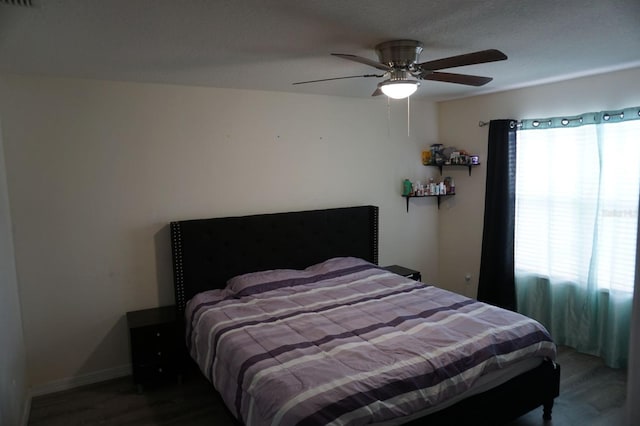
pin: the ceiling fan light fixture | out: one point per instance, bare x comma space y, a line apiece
399, 89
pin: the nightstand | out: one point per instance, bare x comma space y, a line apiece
155, 345
405, 272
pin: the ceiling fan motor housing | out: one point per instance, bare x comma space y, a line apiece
399, 75
399, 53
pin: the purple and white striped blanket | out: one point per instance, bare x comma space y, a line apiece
345, 342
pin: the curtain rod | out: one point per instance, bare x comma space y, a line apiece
486, 123
624, 114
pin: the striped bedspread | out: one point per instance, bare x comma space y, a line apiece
345, 342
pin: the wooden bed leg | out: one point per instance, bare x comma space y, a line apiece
546, 410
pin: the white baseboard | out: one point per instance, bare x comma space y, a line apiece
76, 381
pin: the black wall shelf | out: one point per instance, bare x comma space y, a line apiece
441, 166
425, 196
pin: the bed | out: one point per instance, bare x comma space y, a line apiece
270, 300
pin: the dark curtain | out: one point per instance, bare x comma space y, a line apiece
496, 284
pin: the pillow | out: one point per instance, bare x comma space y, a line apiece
244, 282
256, 282
336, 264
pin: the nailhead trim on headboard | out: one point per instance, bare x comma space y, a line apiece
178, 271
374, 236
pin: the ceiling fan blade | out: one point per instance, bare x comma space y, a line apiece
339, 78
362, 60
447, 77
480, 57
377, 92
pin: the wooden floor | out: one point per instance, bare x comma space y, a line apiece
590, 394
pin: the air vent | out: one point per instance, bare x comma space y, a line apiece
21, 3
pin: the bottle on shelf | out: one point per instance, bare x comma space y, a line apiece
406, 187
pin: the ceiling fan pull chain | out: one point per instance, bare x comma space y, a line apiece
408, 117
388, 117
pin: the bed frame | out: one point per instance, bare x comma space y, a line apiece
208, 252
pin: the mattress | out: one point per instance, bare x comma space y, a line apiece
346, 342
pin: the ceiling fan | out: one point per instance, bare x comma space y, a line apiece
402, 71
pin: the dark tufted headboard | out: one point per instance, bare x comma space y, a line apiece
207, 252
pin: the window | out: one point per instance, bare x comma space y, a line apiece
577, 189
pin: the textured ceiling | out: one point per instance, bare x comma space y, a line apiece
267, 45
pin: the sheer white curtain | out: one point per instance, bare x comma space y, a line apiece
577, 186
633, 377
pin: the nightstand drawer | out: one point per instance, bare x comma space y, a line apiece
155, 355
153, 338
152, 374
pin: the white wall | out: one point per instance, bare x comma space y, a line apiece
97, 169
13, 372
461, 220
